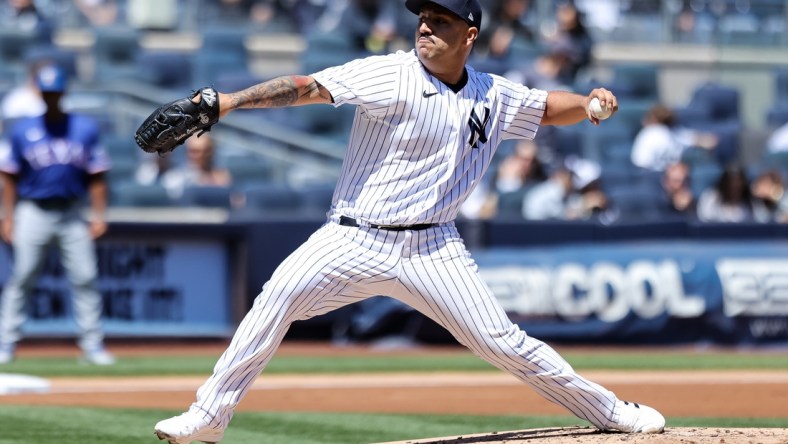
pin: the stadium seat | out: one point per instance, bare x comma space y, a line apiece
166, 69
210, 64
120, 146
136, 195
66, 59
781, 83
694, 155
510, 204
712, 102
636, 80
247, 169
568, 141
703, 176
122, 171
14, 45
595, 139
777, 115
115, 53
635, 203
206, 196
316, 198
272, 198
226, 39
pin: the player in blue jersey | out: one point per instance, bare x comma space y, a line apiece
50, 166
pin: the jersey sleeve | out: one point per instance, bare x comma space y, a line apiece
525, 108
98, 160
368, 82
10, 161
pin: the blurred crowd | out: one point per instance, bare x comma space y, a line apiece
670, 163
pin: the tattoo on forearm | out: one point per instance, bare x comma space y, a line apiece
312, 90
276, 93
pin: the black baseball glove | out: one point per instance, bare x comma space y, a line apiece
172, 123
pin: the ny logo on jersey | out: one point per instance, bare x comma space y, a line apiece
477, 127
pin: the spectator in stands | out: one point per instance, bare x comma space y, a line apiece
518, 170
24, 100
678, 200
506, 25
571, 36
521, 168
770, 203
692, 24
660, 142
25, 17
729, 200
199, 170
547, 71
370, 24
153, 170
239, 12
572, 192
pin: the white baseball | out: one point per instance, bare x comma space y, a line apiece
598, 111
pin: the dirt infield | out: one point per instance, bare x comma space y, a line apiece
753, 394
586, 435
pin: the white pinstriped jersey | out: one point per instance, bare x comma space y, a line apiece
417, 149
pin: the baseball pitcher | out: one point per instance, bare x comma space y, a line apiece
425, 130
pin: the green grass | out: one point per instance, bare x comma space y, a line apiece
203, 364
69, 425
25, 425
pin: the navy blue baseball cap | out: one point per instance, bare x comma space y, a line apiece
468, 10
51, 78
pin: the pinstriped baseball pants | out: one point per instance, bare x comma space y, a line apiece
429, 270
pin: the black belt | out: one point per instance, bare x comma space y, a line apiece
54, 203
350, 222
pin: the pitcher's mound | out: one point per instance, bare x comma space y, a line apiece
588, 435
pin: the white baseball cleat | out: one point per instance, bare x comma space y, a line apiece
186, 428
636, 418
98, 356
6, 354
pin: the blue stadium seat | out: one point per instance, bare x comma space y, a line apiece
635, 203
316, 198
595, 139
120, 146
210, 64
694, 155
247, 169
66, 59
781, 83
636, 80
115, 53
777, 115
510, 204
703, 176
136, 195
714, 102
206, 196
226, 39
14, 45
166, 69
568, 141
272, 198
122, 171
